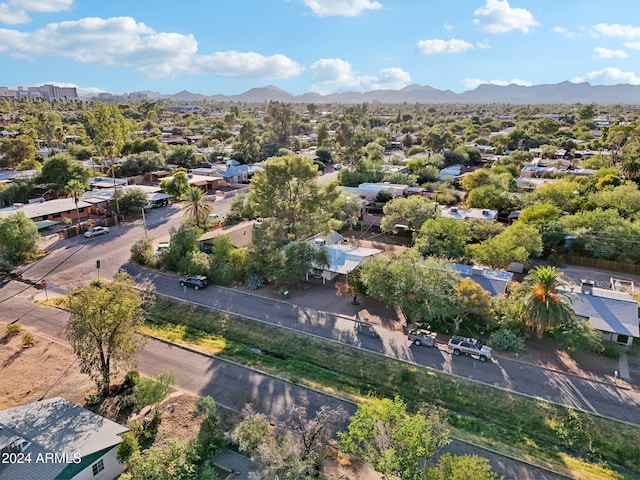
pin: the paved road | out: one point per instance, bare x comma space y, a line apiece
232, 385
593, 396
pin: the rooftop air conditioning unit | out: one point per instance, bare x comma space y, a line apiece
454, 209
476, 270
319, 241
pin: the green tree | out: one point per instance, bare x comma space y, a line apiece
18, 238
625, 198
423, 288
211, 435
131, 201
443, 237
14, 151
282, 120
47, 122
197, 207
102, 327
353, 286
248, 141
412, 211
176, 186
183, 156
287, 190
517, 243
61, 169
474, 303
488, 196
182, 246
547, 303
462, 467
586, 112
394, 442
297, 259
177, 460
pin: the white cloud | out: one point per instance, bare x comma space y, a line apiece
627, 32
46, 6
438, 46
346, 8
473, 83
123, 41
609, 76
14, 12
497, 16
632, 45
564, 32
448, 27
12, 16
608, 53
334, 75
247, 65
483, 45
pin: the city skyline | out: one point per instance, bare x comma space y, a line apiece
323, 46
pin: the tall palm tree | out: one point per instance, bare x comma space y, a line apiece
75, 189
546, 303
198, 207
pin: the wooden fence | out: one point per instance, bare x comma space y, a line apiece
601, 264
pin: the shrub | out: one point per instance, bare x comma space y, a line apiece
131, 379
142, 253
127, 447
27, 339
255, 281
579, 335
12, 330
507, 340
610, 349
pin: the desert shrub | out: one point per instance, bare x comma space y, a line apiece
131, 379
507, 340
12, 330
27, 339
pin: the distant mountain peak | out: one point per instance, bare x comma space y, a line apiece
559, 93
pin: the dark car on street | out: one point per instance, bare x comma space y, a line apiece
194, 281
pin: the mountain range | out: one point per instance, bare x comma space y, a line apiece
558, 93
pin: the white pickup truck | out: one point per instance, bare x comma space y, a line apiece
469, 346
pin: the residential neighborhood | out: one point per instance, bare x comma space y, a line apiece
294, 263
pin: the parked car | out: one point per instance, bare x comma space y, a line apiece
162, 247
337, 166
469, 346
420, 336
195, 281
95, 231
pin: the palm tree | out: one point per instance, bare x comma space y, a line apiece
546, 303
75, 189
198, 207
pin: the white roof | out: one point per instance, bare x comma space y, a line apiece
51, 207
346, 258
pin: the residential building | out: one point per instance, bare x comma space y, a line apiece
62, 441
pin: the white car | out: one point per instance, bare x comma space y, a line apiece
95, 231
162, 247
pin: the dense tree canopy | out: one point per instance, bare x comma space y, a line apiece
393, 441
287, 190
18, 238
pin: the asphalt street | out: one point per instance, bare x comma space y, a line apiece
231, 385
602, 398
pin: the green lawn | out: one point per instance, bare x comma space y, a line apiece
573, 442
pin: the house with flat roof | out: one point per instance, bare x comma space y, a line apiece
468, 213
493, 281
63, 441
343, 258
53, 210
240, 235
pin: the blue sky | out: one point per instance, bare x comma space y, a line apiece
323, 46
